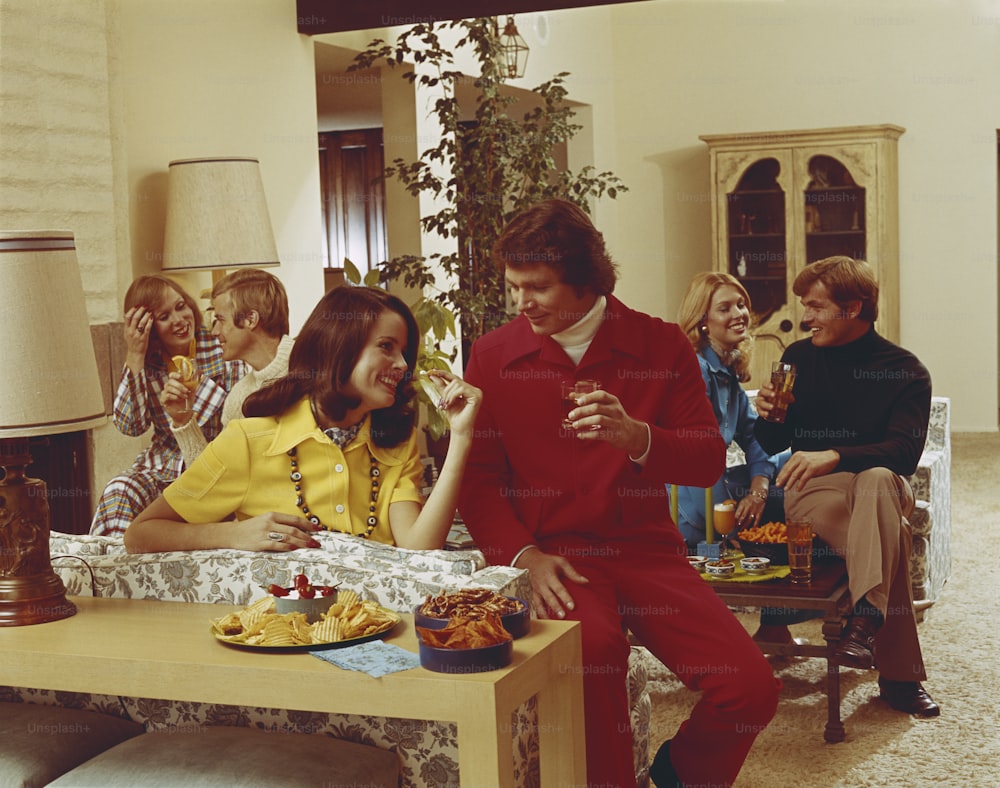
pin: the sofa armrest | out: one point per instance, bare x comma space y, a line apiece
397, 579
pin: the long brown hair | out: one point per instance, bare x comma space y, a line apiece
694, 310
325, 353
148, 291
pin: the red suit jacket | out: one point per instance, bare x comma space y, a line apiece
530, 481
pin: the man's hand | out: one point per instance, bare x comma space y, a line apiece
764, 403
551, 598
599, 415
803, 465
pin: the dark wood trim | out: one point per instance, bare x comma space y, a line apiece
335, 16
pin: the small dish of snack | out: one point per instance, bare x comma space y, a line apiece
437, 611
769, 540
755, 565
720, 568
466, 645
698, 562
303, 597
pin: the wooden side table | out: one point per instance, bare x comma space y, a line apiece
829, 593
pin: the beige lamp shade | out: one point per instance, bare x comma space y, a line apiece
217, 216
49, 382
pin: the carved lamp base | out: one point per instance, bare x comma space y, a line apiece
30, 591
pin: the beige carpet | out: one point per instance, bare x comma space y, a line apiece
960, 637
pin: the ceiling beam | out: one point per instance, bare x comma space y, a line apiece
335, 16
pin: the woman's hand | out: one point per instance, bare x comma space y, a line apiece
750, 509
174, 397
459, 401
138, 327
275, 532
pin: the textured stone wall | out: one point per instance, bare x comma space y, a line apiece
56, 155
60, 165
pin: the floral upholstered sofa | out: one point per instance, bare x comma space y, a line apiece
395, 578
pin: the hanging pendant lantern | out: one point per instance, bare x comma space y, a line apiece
513, 50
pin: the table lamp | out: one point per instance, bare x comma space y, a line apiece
217, 217
49, 385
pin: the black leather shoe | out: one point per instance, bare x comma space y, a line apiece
908, 696
662, 770
857, 643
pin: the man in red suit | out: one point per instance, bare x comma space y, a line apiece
583, 506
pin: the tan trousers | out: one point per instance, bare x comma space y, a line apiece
862, 516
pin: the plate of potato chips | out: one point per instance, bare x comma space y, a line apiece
350, 620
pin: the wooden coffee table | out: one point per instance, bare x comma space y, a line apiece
151, 649
829, 593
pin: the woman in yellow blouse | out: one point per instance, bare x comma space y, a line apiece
331, 446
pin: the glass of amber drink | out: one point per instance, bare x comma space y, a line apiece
782, 380
800, 542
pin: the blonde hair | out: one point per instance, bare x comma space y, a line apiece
694, 309
254, 290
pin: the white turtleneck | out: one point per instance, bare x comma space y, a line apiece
577, 338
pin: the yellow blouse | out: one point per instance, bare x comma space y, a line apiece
246, 471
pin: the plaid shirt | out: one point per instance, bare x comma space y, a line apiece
137, 404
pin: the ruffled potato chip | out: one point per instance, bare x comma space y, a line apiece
464, 633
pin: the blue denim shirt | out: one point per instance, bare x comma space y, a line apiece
736, 418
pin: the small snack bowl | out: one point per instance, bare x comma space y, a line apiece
755, 565
466, 660
314, 608
720, 568
698, 562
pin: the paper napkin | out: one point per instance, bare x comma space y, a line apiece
376, 658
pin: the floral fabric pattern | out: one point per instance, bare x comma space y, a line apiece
395, 578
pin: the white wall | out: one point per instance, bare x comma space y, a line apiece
223, 78
685, 69
658, 74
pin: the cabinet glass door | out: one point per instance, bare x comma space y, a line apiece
834, 211
757, 244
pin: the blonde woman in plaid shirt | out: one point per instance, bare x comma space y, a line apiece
161, 321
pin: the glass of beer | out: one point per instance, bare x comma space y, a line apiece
724, 522
571, 392
782, 380
800, 542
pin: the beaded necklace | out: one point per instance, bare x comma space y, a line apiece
341, 438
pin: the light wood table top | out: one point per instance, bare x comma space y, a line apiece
152, 649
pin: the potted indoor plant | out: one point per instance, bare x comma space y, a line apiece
483, 171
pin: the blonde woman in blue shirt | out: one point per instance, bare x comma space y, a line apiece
331, 446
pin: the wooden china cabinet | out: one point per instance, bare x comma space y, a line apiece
784, 199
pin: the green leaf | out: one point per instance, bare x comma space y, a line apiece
351, 272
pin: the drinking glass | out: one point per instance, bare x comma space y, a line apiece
800, 542
724, 522
782, 379
571, 391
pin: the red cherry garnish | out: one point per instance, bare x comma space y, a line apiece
276, 590
300, 581
327, 590
307, 592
